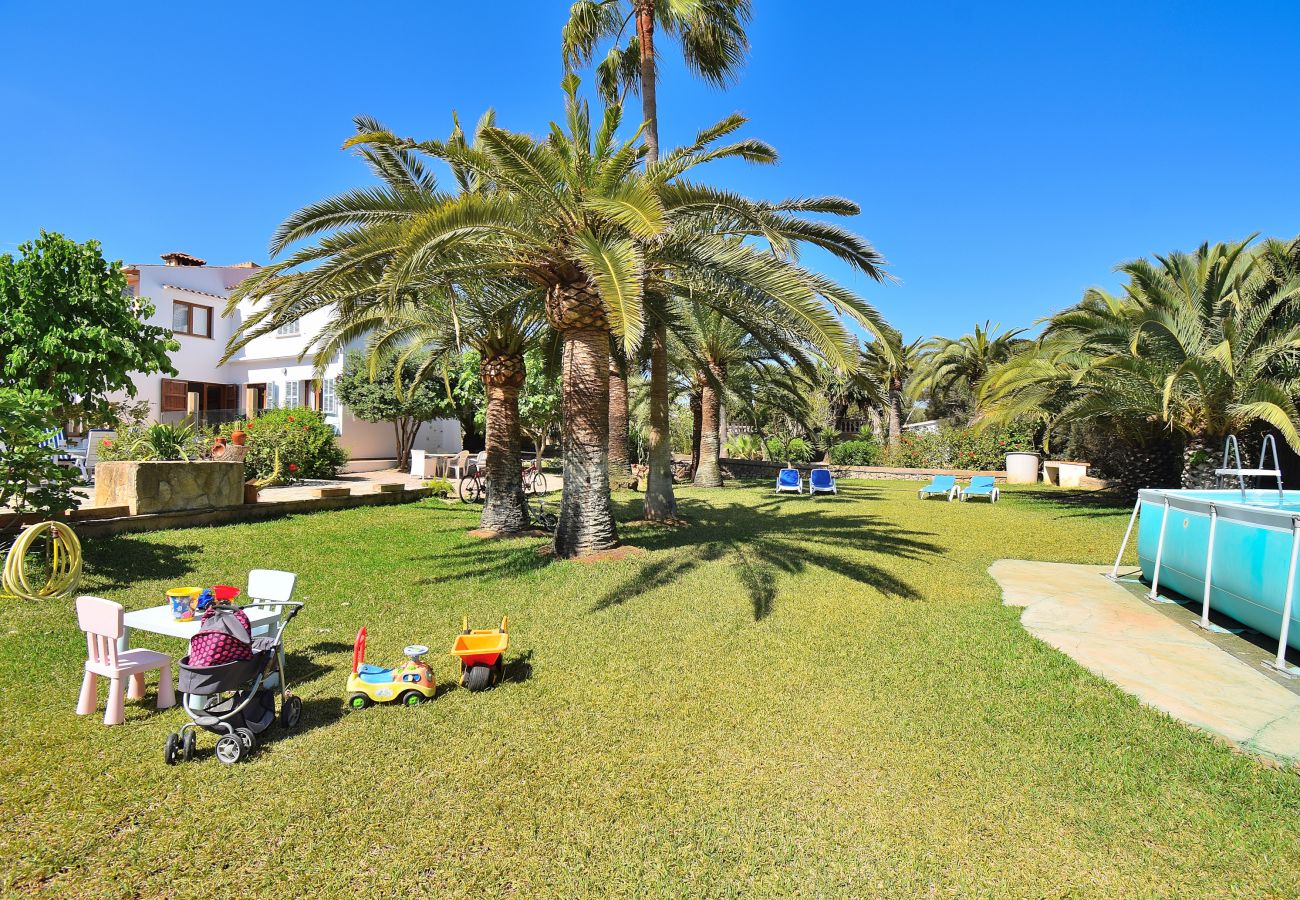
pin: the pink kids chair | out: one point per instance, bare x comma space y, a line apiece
102, 622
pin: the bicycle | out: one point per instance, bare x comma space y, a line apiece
534, 479
547, 521
472, 487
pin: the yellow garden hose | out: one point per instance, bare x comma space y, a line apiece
64, 563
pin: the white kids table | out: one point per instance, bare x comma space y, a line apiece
159, 620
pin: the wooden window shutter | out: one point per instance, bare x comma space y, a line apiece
175, 395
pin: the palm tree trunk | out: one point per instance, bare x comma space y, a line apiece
620, 462
506, 509
660, 504
645, 34
697, 425
895, 414
1200, 461
708, 473
586, 516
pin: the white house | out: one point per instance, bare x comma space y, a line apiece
190, 297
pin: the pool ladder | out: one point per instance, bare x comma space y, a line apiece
1230, 446
1231, 450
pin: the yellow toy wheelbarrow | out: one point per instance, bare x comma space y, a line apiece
480, 652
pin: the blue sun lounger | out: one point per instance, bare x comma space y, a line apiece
980, 486
942, 484
821, 481
789, 480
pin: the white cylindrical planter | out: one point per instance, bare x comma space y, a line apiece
1022, 468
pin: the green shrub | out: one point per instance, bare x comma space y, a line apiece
864, 451
441, 487
160, 441
745, 446
306, 445
781, 448
961, 448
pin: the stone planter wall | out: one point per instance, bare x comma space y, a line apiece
749, 468
155, 487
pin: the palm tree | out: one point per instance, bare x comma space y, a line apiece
1199, 345
576, 217
716, 342
948, 364
432, 319
714, 45
501, 323
889, 363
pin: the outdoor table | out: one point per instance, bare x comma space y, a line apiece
159, 620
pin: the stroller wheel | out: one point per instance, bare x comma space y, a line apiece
290, 711
187, 746
230, 749
171, 749
247, 738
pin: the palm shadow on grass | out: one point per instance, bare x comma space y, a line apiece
767, 539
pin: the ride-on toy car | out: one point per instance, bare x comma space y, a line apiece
480, 652
409, 684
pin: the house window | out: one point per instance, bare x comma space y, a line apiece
288, 329
329, 403
292, 394
191, 318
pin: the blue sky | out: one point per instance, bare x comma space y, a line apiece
1006, 156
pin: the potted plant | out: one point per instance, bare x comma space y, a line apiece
250, 491
238, 436
1022, 455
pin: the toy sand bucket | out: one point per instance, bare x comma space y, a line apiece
182, 600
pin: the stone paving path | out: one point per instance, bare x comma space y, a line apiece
1163, 663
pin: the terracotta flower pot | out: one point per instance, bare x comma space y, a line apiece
238, 437
250, 492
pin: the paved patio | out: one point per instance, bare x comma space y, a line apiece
1166, 663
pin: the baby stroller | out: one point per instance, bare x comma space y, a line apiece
235, 698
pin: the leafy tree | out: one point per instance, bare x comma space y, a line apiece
30, 479
372, 393
68, 329
539, 403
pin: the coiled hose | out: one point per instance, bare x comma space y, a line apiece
63, 563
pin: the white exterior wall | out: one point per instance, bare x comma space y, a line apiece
271, 359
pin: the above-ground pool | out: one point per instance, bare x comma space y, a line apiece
1255, 533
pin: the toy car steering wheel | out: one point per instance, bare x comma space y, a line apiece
415, 651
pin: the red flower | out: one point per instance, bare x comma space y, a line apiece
293, 467
291, 418
304, 428
106, 444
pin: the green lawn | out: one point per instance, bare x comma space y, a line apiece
824, 698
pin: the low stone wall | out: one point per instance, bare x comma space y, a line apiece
749, 468
243, 512
157, 487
